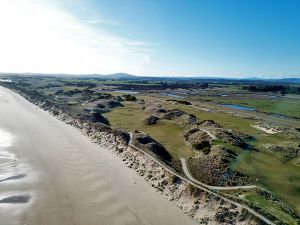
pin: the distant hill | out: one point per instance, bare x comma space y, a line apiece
126, 76
289, 80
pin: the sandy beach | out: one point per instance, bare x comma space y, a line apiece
51, 174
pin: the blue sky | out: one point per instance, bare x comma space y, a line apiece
152, 37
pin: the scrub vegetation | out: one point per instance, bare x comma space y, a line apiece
222, 145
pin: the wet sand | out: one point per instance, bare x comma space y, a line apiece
51, 174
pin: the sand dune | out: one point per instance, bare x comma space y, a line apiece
59, 177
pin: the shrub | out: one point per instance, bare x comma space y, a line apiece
129, 97
203, 145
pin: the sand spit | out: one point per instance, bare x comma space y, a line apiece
200, 205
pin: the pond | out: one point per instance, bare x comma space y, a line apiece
279, 115
127, 91
239, 107
172, 95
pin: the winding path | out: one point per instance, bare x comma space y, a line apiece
202, 186
209, 134
189, 175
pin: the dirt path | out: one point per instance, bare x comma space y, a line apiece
189, 175
203, 186
53, 175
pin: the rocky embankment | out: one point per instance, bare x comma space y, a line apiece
202, 206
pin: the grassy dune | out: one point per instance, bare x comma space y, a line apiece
272, 209
283, 178
166, 132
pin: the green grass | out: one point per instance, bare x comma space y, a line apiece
166, 132
271, 208
284, 106
282, 177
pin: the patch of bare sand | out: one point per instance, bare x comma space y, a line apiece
268, 130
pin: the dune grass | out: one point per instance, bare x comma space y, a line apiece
271, 208
282, 106
166, 132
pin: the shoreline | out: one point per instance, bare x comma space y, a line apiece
198, 204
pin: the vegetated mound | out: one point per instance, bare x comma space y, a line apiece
140, 101
188, 119
109, 104
100, 110
98, 96
288, 150
148, 144
209, 123
229, 136
129, 97
198, 140
150, 120
293, 133
183, 102
94, 117
171, 114
154, 109
201, 136
213, 168
69, 92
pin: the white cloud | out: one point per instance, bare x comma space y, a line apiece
38, 36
